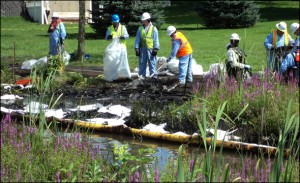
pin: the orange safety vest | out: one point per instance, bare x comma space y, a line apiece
185, 46
297, 56
286, 38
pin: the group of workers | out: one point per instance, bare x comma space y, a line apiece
147, 46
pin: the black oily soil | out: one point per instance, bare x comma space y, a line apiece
119, 90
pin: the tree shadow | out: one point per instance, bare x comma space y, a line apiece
269, 11
278, 14
88, 36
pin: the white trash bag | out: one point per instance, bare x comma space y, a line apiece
124, 70
28, 65
115, 61
66, 57
173, 66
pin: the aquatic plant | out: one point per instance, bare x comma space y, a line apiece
212, 167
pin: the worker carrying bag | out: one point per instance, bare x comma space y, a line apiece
115, 61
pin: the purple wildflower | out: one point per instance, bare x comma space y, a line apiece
19, 174
7, 119
191, 165
28, 146
268, 170
57, 177
136, 176
256, 173
156, 175
130, 179
200, 177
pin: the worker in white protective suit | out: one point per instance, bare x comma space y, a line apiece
57, 35
235, 61
146, 46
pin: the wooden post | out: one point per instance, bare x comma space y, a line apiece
14, 60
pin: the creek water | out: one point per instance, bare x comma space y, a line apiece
165, 152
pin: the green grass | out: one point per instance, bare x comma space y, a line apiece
32, 40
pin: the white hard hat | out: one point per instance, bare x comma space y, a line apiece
145, 16
170, 30
234, 36
55, 15
294, 27
281, 26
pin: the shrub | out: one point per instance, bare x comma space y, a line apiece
129, 12
228, 14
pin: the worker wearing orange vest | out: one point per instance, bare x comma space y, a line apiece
181, 48
277, 38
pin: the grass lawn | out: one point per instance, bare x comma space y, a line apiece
32, 40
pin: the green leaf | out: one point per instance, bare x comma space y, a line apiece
225, 173
180, 166
242, 111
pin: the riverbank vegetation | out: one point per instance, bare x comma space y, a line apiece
40, 152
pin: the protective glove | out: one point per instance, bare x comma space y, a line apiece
168, 60
137, 52
109, 37
247, 67
122, 37
154, 52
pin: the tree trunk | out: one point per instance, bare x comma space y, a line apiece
81, 30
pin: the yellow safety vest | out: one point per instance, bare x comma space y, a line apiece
147, 39
119, 32
274, 40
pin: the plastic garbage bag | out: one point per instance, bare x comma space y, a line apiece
106, 121
217, 71
35, 107
173, 67
66, 57
197, 69
28, 65
115, 61
124, 70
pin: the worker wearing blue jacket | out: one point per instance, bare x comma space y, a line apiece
277, 38
295, 30
57, 35
146, 46
291, 63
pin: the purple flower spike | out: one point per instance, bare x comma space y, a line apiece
191, 165
156, 175
136, 176
57, 177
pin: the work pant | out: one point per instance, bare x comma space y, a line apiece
185, 69
147, 57
54, 46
